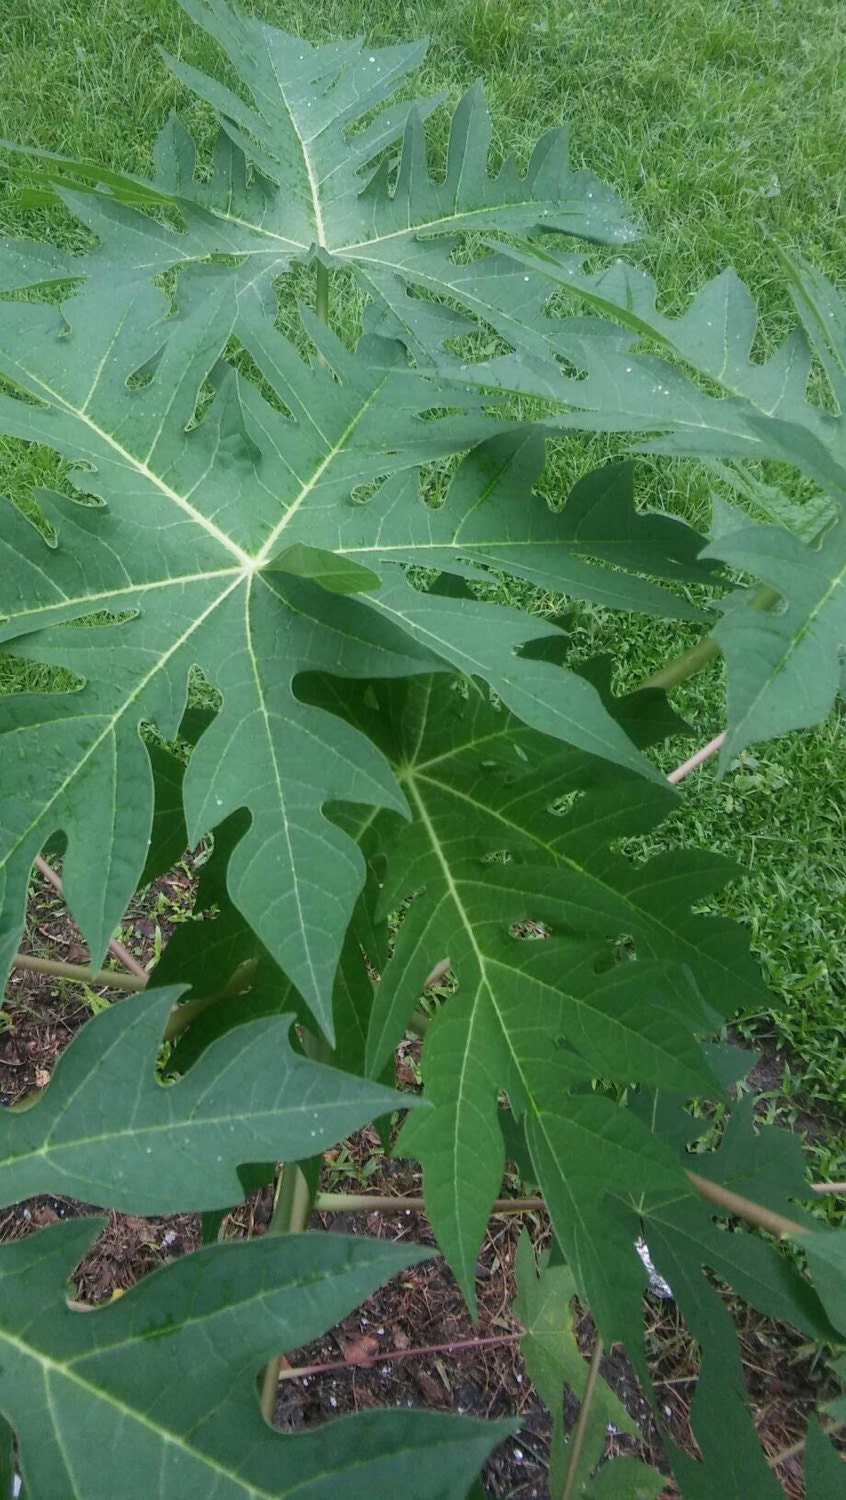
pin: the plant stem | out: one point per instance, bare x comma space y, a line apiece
322, 292
418, 1023
697, 759
111, 979
580, 1430
293, 1201
336, 1203
290, 1215
182, 1016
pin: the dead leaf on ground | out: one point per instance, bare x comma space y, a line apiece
360, 1349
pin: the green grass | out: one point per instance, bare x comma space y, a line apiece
722, 123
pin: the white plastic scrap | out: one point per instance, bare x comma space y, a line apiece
657, 1285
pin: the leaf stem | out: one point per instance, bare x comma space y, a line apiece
184, 1014
297, 1372
290, 1215
697, 759
745, 1208
111, 979
322, 292
683, 666
580, 1430
689, 662
293, 1201
336, 1203
116, 949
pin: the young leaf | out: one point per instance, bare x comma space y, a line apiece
163, 1380
106, 1131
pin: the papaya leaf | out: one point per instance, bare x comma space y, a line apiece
826, 1252
783, 665
233, 977
822, 308
107, 1131
553, 1359
179, 555
489, 864
298, 170
825, 1469
808, 518
758, 409
764, 1166
708, 397
625, 1479
165, 1377
488, 786
597, 546
168, 834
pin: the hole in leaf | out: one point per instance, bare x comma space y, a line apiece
360, 494
530, 931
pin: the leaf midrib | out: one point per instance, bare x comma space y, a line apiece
481, 962
105, 596
532, 1104
313, 184
141, 467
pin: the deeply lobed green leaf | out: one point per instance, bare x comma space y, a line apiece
107, 1131
163, 1381
186, 542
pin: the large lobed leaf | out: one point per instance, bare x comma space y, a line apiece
702, 392
199, 548
538, 1019
743, 408
154, 1397
106, 1130
309, 165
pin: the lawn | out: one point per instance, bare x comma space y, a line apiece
722, 124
